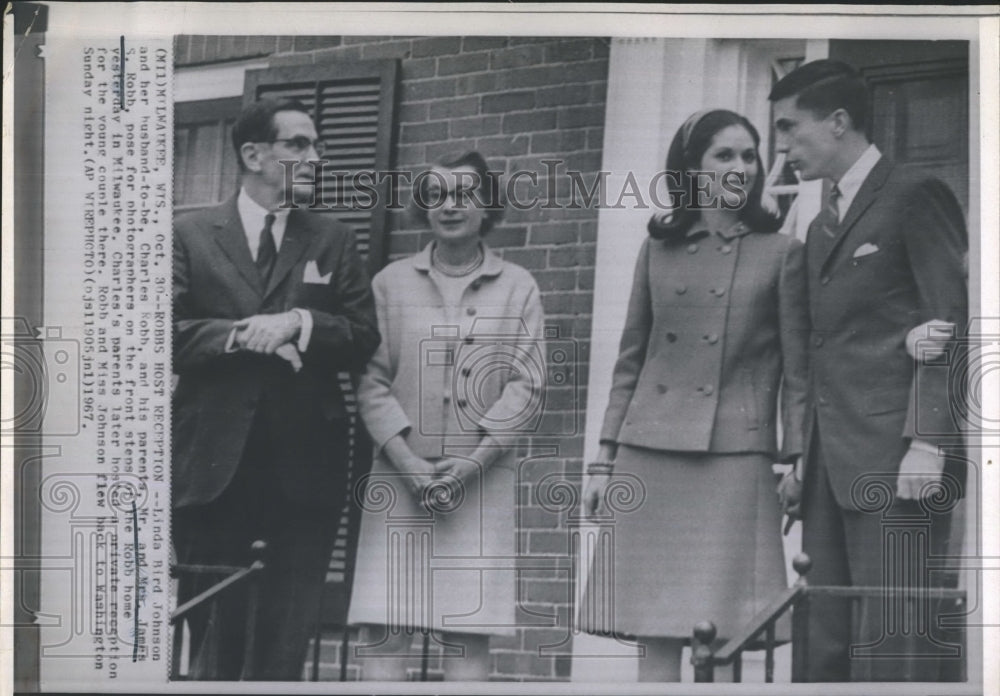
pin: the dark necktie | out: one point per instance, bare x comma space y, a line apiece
266, 252
831, 213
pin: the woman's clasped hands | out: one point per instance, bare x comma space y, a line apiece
439, 486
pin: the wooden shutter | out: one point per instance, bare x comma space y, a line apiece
353, 107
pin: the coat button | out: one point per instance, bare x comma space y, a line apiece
825, 280
681, 289
671, 336
711, 338
708, 390
662, 388
692, 248
818, 341
726, 249
470, 311
718, 292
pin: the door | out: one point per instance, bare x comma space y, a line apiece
920, 104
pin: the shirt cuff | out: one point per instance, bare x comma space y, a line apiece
924, 446
230, 347
305, 331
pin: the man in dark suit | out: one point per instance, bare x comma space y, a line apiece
885, 265
269, 303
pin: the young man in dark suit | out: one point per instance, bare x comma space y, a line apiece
269, 302
885, 263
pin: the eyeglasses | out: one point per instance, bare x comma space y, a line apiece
301, 143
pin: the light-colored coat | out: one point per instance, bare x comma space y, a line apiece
715, 326
442, 377
478, 368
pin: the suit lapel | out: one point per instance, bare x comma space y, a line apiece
867, 195
293, 246
231, 238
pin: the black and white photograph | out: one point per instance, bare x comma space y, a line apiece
500, 344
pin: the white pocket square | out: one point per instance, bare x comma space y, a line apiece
865, 250
311, 275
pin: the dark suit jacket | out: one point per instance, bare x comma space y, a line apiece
868, 396
220, 394
714, 327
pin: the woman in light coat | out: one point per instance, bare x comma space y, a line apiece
716, 326
458, 376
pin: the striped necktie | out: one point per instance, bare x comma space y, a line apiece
266, 252
831, 213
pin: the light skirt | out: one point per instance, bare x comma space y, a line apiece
449, 571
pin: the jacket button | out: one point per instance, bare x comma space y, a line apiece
825, 280
711, 338
671, 336
726, 248
718, 292
681, 289
470, 311
818, 341
708, 390
692, 248
662, 388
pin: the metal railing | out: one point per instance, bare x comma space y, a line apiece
234, 578
795, 599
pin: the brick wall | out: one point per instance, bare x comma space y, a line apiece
519, 101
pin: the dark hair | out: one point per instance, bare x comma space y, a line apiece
685, 153
256, 123
822, 87
486, 192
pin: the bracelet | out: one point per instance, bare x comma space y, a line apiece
600, 467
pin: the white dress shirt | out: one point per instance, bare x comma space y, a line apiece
252, 216
850, 183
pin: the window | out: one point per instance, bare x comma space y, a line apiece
205, 167
353, 107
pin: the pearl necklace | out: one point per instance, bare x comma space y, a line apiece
456, 271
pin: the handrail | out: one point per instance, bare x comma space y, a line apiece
743, 638
178, 569
704, 633
236, 576
895, 592
705, 660
218, 588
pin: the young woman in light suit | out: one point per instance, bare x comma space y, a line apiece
716, 327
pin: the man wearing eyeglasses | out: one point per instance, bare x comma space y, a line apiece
270, 302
